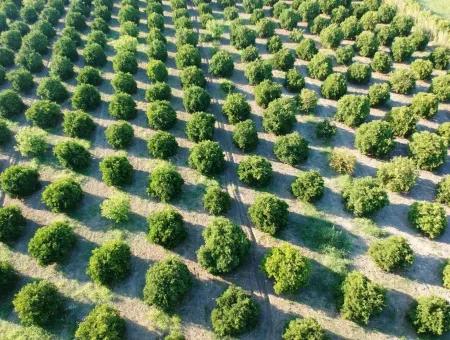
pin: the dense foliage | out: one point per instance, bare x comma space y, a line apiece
166, 227
287, 267
392, 253
269, 213
225, 246
166, 283
235, 313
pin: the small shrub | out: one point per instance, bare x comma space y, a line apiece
124, 82
428, 218
269, 213
424, 105
158, 91
307, 101
342, 161
422, 69
334, 86
72, 155
109, 263
331, 36
44, 113
192, 75
85, 97
207, 158
234, 301
431, 315
94, 55
359, 73
166, 227
62, 195
361, 298
443, 191
258, 71
249, 54
221, 64
89, 75
375, 139
61, 67
165, 183
419, 39
446, 275
287, 267
156, 70
196, 99
402, 120
283, 59
122, 106
102, 322
12, 224
236, 108
96, 37
161, 115
351, 27
291, 149
307, 328
116, 170
125, 61
319, 24
52, 243
216, 201
352, 110
21, 80
381, 62
309, 10
379, 94
119, 135
306, 49
392, 253
320, 66
38, 304
245, 136
19, 180
255, 171
225, 246
367, 43
386, 13
29, 59
294, 80
265, 28
289, 19
5, 132
364, 196
428, 150
266, 92
402, 81
31, 141
440, 59
401, 49
402, 24
345, 54
242, 36
116, 208
308, 186
187, 55
325, 129
157, 50
443, 130
66, 47
52, 89
279, 117
166, 283
162, 145
200, 127
440, 86
398, 175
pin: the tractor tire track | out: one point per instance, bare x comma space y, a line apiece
232, 184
